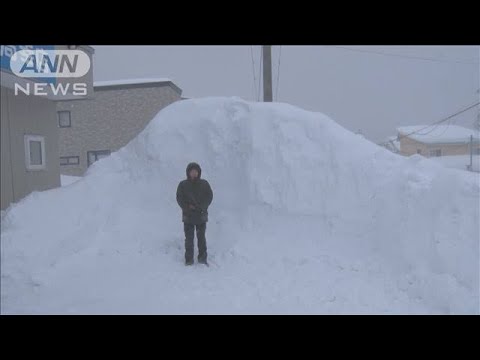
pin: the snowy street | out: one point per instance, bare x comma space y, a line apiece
307, 218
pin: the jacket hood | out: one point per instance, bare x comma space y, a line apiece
194, 165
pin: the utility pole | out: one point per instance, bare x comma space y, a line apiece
476, 123
267, 73
471, 153
477, 127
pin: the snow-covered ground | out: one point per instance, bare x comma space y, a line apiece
458, 162
307, 217
67, 179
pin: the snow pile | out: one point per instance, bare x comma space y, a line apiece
66, 180
307, 217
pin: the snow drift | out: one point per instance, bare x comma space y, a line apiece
307, 217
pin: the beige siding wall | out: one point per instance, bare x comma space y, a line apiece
409, 147
109, 121
26, 115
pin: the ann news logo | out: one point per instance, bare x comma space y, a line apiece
51, 71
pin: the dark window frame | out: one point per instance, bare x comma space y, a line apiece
28, 139
68, 158
435, 153
69, 118
96, 153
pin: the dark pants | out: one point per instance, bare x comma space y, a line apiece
202, 242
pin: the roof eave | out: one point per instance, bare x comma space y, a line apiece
138, 85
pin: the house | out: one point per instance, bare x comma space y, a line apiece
29, 130
437, 140
93, 128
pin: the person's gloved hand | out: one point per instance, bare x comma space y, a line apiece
191, 207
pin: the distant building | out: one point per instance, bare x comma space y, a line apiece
441, 140
29, 130
120, 110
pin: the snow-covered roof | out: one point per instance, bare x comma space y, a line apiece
127, 83
447, 134
130, 82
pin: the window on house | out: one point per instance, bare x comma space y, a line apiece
436, 152
419, 151
96, 155
69, 160
64, 119
34, 152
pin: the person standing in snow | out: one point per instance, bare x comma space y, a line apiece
194, 196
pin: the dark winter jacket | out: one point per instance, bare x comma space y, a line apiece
196, 192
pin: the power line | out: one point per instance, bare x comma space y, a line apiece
449, 122
278, 73
434, 124
438, 122
404, 56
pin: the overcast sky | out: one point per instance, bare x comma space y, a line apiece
357, 87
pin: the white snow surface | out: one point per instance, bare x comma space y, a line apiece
443, 134
66, 180
307, 218
129, 81
458, 161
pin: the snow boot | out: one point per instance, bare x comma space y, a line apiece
204, 262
